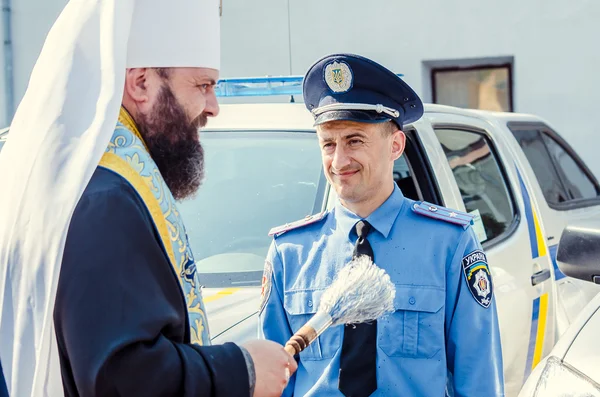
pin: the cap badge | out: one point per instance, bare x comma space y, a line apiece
338, 77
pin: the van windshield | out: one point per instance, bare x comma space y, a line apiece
254, 180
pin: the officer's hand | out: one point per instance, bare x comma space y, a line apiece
272, 365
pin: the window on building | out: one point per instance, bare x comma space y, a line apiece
482, 185
559, 171
482, 87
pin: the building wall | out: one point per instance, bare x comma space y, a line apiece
552, 44
31, 21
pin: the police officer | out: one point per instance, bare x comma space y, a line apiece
445, 319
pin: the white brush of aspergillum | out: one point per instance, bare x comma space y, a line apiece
361, 292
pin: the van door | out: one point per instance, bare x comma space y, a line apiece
476, 173
566, 191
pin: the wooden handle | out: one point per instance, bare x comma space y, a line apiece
300, 340
291, 349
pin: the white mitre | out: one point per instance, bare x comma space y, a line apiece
57, 137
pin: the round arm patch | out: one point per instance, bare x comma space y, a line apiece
478, 277
265, 290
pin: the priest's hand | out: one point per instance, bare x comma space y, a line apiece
273, 367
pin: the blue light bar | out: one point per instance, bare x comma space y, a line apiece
261, 86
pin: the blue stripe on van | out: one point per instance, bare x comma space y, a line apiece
532, 336
529, 216
557, 273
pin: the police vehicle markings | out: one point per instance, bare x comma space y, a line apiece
220, 294
539, 312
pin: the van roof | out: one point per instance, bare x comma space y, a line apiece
294, 116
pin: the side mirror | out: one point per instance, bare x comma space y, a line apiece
578, 253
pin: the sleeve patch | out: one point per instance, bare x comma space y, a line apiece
309, 219
478, 277
267, 281
443, 214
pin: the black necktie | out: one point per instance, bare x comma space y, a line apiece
358, 362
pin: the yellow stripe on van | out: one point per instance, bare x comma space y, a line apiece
542, 250
221, 294
541, 331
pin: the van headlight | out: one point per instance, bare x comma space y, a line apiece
559, 379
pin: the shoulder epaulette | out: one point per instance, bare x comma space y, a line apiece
309, 219
443, 214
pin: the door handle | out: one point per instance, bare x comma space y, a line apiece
540, 277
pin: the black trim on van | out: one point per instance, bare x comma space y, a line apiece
421, 169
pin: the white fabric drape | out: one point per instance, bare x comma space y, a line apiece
58, 135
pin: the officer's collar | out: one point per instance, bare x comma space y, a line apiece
381, 219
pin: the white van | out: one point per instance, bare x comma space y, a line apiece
573, 367
514, 172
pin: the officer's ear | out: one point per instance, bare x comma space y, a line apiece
398, 144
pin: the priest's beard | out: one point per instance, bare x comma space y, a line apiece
174, 144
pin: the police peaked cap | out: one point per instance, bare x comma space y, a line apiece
354, 88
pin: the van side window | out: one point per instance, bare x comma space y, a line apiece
538, 156
559, 172
404, 179
412, 172
479, 178
577, 183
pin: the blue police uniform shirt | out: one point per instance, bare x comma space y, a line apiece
440, 324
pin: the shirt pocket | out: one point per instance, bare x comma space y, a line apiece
416, 328
300, 307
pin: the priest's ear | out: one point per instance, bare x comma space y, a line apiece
142, 86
